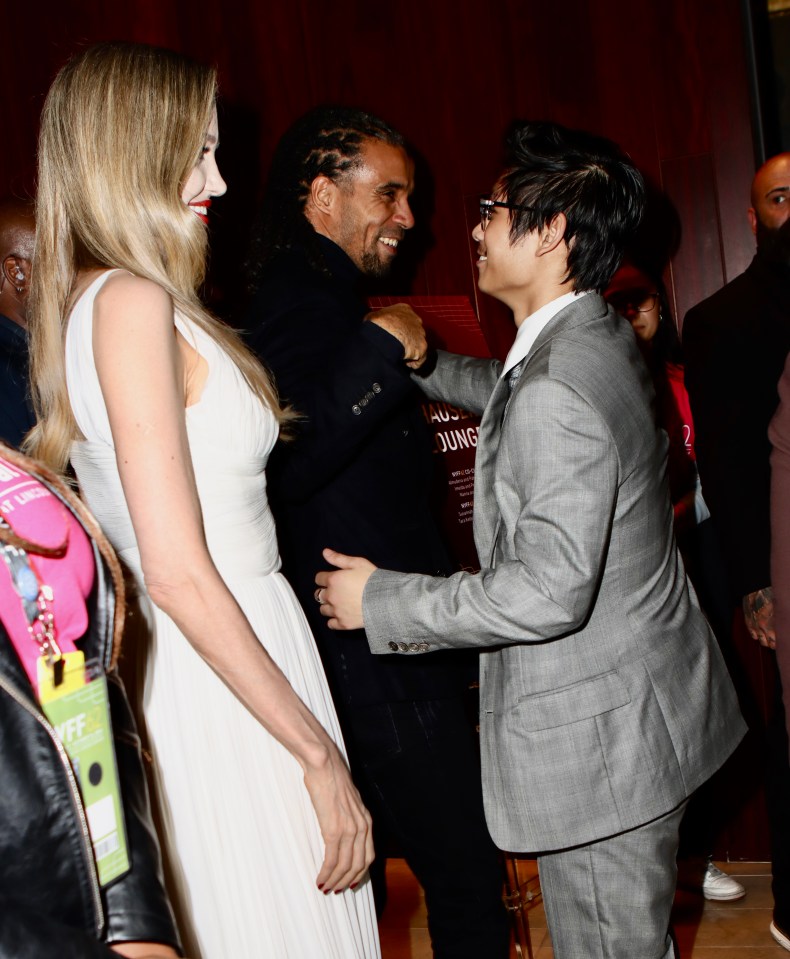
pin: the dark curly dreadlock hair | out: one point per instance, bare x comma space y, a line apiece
327, 141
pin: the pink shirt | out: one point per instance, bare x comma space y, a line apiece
35, 514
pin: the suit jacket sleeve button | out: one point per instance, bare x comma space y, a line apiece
414, 647
356, 409
404, 647
393, 646
377, 387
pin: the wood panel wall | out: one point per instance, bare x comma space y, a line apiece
667, 79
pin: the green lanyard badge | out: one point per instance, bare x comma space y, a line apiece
78, 709
73, 696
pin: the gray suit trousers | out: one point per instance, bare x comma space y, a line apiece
612, 899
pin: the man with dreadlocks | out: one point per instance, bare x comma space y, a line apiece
355, 476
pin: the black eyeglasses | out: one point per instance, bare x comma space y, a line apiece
487, 209
633, 301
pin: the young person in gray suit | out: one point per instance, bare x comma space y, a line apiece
604, 699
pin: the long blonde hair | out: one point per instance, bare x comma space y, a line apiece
122, 127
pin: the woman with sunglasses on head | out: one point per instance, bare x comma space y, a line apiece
168, 422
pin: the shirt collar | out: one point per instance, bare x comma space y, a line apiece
532, 326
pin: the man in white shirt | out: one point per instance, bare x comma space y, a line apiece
604, 698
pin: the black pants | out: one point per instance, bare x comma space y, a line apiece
417, 767
712, 805
768, 734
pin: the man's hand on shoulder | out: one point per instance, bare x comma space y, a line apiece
758, 610
405, 325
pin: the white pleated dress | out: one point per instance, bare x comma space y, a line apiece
238, 829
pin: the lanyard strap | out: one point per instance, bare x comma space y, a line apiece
36, 598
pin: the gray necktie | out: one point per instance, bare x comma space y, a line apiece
513, 375
512, 379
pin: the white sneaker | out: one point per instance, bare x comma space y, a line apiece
717, 885
779, 936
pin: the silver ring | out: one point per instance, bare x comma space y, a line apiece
317, 596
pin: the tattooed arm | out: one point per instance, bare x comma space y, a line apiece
758, 610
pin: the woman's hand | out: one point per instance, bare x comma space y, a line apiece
340, 592
344, 821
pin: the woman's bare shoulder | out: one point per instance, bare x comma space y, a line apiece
123, 297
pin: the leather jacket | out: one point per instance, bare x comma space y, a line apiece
51, 904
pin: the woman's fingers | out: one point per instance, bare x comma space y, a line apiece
354, 850
345, 826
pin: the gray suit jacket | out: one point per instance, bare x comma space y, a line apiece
604, 698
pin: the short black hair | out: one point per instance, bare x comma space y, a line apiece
552, 169
327, 141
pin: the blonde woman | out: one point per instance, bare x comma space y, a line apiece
168, 422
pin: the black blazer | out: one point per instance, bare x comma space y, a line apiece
16, 413
356, 475
735, 344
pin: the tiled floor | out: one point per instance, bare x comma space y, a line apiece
704, 930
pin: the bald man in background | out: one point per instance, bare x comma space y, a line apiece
735, 344
17, 238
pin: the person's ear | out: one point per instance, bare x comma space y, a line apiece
16, 271
323, 195
9, 271
750, 213
552, 234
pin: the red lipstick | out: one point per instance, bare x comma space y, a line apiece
201, 209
